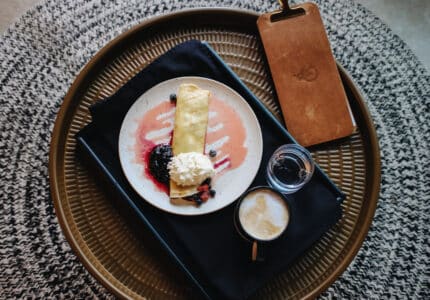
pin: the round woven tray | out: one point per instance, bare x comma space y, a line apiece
131, 266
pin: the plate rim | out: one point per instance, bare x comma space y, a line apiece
56, 149
242, 100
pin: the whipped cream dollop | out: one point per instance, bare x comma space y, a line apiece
190, 168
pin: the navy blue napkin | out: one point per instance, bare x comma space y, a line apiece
208, 248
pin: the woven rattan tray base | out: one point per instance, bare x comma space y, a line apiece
130, 265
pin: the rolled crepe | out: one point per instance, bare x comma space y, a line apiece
189, 132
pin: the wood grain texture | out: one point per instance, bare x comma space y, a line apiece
306, 78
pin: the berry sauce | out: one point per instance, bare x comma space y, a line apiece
159, 158
147, 162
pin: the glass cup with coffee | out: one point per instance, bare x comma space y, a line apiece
261, 216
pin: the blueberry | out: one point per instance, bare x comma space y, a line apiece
212, 193
207, 181
173, 97
198, 200
212, 153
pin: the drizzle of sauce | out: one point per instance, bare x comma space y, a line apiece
154, 128
225, 134
222, 162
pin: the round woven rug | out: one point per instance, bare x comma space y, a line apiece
43, 52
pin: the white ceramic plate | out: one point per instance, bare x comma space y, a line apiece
229, 114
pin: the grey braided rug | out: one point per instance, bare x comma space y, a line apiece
43, 52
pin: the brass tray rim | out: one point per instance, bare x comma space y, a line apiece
81, 81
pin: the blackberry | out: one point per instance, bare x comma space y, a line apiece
193, 197
159, 158
207, 181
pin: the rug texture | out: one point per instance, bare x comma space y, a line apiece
43, 52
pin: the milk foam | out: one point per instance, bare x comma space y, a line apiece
263, 214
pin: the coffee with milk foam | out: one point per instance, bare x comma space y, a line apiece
263, 214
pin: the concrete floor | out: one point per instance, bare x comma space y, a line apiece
410, 19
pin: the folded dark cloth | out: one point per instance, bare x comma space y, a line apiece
207, 247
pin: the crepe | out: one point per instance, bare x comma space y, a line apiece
189, 131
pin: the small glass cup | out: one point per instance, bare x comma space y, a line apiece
290, 168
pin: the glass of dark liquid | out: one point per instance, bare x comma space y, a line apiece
290, 168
